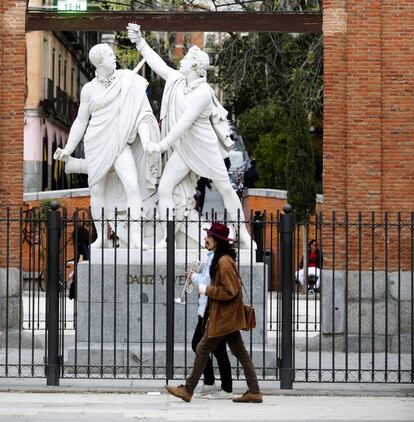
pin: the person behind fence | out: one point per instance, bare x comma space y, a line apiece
188, 103
314, 266
251, 176
210, 389
223, 319
200, 194
81, 238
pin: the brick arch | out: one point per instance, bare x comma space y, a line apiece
368, 108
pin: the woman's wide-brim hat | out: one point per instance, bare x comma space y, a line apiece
219, 230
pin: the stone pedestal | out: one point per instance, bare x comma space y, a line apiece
11, 313
11, 309
121, 309
368, 309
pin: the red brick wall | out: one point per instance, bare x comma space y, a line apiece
71, 205
369, 115
12, 95
398, 105
369, 105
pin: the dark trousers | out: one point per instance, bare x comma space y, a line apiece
237, 348
220, 353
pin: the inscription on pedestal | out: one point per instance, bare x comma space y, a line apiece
149, 279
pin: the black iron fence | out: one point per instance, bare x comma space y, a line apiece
71, 311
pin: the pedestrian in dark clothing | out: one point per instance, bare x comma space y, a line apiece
81, 241
251, 176
210, 389
227, 163
200, 194
224, 318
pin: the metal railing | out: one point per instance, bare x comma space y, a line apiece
71, 311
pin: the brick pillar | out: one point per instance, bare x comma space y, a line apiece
398, 105
335, 107
369, 106
12, 94
335, 120
368, 115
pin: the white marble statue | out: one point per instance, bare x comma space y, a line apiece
187, 106
115, 120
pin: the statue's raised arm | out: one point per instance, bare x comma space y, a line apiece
155, 62
189, 109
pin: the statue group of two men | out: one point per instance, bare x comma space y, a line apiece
123, 144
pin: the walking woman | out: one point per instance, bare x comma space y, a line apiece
223, 318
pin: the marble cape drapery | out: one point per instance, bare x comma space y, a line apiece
115, 117
198, 147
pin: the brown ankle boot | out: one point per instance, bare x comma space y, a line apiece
249, 397
181, 392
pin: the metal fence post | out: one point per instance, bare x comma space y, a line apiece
52, 314
170, 297
286, 233
258, 232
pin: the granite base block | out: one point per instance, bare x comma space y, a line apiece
121, 305
145, 357
11, 312
366, 303
354, 344
403, 343
128, 303
18, 339
148, 283
9, 282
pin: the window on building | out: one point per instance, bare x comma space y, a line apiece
65, 74
55, 168
72, 82
45, 167
59, 179
60, 71
45, 66
53, 64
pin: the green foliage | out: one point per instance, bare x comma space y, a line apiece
263, 129
255, 70
126, 53
257, 67
300, 166
260, 120
46, 203
270, 155
128, 57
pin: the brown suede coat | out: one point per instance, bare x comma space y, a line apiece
225, 312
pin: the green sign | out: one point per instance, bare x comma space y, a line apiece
72, 5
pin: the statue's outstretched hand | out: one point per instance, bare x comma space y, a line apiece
134, 33
152, 147
61, 154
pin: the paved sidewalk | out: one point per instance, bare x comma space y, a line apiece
122, 400
156, 406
